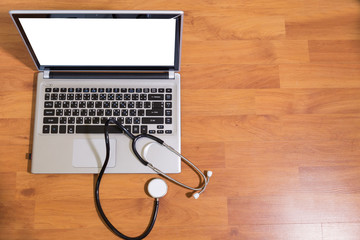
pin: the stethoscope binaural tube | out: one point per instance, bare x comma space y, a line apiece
97, 195
157, 185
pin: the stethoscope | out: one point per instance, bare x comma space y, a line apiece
156, 188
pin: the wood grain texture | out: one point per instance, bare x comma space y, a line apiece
270, 103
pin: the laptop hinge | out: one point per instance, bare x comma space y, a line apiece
46, 73
171, 74
106, 75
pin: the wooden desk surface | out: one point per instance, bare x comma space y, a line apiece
270, 103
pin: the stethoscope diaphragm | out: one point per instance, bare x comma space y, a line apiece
157, 188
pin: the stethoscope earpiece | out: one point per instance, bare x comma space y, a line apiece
157, 188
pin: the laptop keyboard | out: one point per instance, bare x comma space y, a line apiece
85, 110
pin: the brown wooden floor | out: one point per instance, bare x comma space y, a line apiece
270, 103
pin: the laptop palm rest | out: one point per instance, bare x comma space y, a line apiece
91, 152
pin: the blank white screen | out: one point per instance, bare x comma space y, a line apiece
110, 42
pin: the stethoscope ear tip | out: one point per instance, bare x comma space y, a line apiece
196, 195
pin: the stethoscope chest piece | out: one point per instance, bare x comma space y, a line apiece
157, 188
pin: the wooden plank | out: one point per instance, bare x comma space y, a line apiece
319, 76
245, 51
229, 76
226, 102
308, 101
294, 208
332, 51
337, 231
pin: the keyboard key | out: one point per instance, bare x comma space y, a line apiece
168, 131
78, 96
168, 97
82, 104
103, 120
70, 96
62, 129
139, 104
128, 120
51, 120
116, 112
95, 120
127, 96
156, 97
102, 96
74, 104
168, 90
48, 104
49, 112
67, 112
155, 112
57, 104
157, 105
79, 120
59, 112
86, 96
135, 129
62, 96
111, 96
54, 128
168, 112
71, 129
71, 120
108, 112
168, 104
137, 120
66, 104
146, 120
54, 96
168, 120
47, 89
84, 112
46, 129
63, 120
75, 112
87, 120
92, 112
100, 112
144, 129
96, 129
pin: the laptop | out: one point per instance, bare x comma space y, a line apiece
96, 65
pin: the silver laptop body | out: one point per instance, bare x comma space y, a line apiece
95, 65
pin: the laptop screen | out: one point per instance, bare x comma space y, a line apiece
102, 41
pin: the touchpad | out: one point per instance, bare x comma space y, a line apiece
92, 152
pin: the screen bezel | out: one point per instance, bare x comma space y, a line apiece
177, 15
